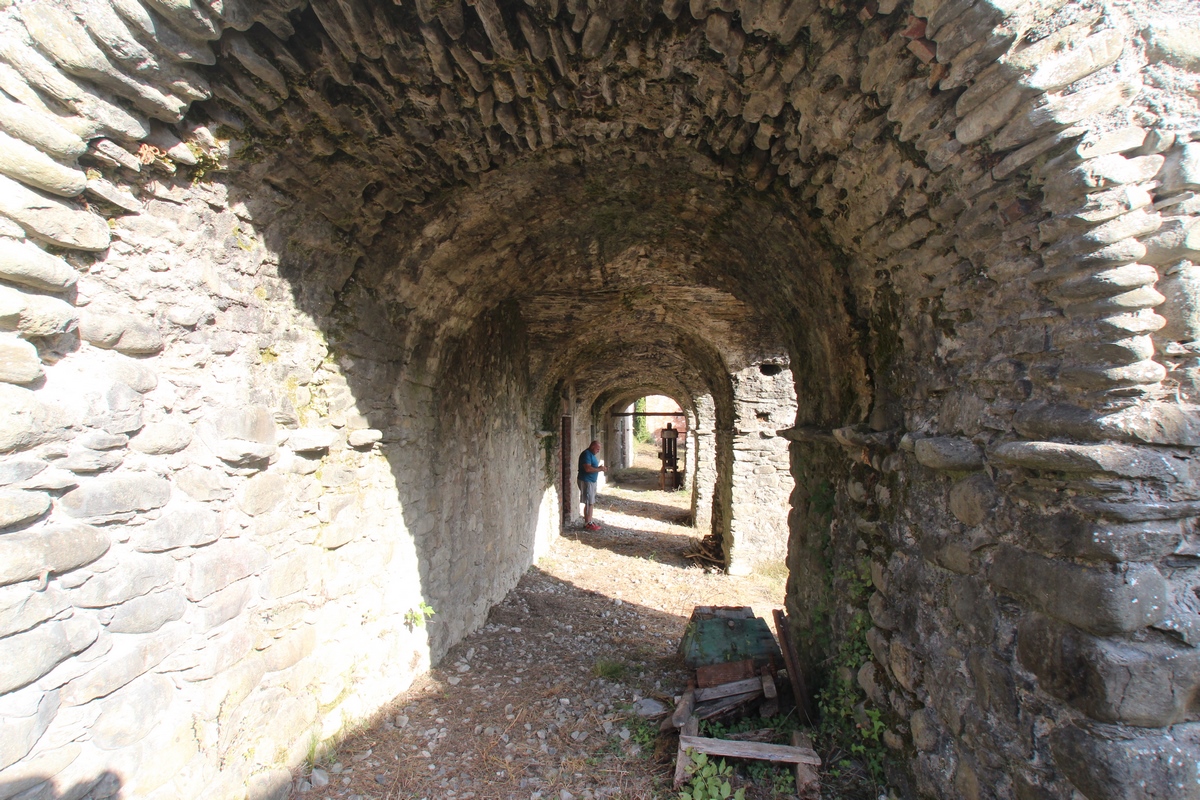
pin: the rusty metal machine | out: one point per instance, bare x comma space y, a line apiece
668, 475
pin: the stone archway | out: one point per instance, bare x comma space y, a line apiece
271, 288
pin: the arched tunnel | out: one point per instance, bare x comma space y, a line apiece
295, 297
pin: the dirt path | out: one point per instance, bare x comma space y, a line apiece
539, 703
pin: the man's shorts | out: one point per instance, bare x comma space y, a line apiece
587, 492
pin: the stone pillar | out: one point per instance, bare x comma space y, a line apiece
764, 401
702, 468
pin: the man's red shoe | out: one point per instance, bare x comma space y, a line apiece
591, 526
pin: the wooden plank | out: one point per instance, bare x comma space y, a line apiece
716, 674
770, 704
715, 708
808, 782
792, 660
778, 753
726, 689
682, 760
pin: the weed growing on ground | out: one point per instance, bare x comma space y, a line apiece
642, 732
610, 670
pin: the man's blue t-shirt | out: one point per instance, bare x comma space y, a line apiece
589, 458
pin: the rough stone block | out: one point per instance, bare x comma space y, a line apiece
1115, 764
22, 607
1075, 536
149, 612
102, 440
54, 549
133, 373
1129, 462
25, 163
203, 484
34, 315
24, 421
116, 494
40, 129
240, 436
18, 735
972, 499
25, 657
948, 453
364, 438
43, 766
1103, 600
925, 729
1148, 684
290, 649
1157, 424
222, 606
131, 655
134, 575
129, 713
18, 508
162, 438
88, 461
299, 569
121, 332
216, 654
16, 472
312, 440
113, 195
216, 566
1103, 173
182, 524
173, 745
52, 220
262, 493
1175, 44
26, 264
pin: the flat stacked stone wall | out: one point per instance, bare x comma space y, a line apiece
229, 405
764, 401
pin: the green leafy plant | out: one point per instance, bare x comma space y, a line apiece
641, 430
642, 732
415, 617
710, 780
846, 719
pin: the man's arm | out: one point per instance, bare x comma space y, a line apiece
589, 467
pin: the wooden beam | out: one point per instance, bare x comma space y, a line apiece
790, 657
684, 710
715, 708
725, 748
648, 414
726, 689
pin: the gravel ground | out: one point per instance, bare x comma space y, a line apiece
539, 704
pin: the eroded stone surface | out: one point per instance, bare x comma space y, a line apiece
448, 227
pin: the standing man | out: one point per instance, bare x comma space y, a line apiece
589, 471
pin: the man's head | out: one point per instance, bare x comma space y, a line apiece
594, 446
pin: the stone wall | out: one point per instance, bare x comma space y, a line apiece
276, 279
764, 400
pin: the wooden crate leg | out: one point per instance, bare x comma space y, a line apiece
770, 703
808, 781
690, 728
